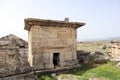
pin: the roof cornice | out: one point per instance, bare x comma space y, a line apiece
29, 22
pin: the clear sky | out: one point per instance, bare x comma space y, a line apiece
102, 17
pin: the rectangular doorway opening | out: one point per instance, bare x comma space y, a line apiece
56, 59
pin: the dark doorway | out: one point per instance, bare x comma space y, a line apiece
56, 59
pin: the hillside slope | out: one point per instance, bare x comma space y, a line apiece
104, 45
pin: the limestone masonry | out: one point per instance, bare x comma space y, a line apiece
115, 53
13, 56
52, 43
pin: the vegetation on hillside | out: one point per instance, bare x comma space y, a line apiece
105, 72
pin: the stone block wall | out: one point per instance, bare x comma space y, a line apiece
12, 63
48, 40
13, 56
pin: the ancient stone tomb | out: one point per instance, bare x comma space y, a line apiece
115, 51
13, 56
51, 43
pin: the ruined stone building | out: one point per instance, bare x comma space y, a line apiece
115, 53
52, 43
83, 56
13, 55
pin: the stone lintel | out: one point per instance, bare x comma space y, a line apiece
52, 47
29, 22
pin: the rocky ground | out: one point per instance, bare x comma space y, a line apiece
68, 77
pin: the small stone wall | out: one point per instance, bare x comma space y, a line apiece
29, 76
